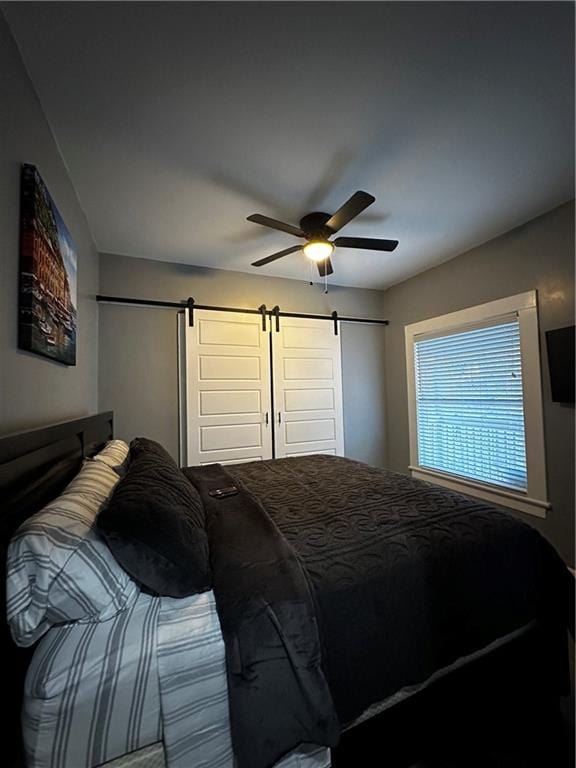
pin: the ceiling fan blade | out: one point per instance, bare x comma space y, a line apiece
257, 218
351, 208
325, 267
368, 243
277, 255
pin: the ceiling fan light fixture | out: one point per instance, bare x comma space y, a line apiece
318, 250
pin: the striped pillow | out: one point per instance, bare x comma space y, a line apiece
114, 453
59, 568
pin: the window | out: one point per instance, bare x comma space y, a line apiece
475, 403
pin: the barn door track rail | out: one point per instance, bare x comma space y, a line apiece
275, 313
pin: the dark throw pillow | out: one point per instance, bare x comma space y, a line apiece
154, 524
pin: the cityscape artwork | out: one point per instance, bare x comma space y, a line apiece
48, 268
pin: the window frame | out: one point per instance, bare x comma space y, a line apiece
524, 306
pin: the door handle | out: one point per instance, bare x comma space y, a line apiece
279, 417
266, 418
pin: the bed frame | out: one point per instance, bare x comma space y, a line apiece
35, 466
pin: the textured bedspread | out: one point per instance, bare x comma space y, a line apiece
407, 577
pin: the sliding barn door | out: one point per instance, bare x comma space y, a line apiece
225, 395
307, 388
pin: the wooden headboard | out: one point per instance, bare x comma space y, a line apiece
35, 466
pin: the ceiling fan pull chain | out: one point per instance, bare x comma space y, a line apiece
326, 281
311, 272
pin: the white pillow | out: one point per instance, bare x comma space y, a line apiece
113, 454
59, 568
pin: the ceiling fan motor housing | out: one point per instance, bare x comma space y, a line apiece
314, 226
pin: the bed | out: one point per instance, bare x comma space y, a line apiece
393, 569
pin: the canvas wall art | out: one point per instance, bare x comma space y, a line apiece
48, 269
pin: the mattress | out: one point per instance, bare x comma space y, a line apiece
152, 756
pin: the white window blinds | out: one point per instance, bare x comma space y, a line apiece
469, 404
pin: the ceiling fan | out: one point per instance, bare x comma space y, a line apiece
317, 228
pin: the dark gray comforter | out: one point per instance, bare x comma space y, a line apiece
392, 578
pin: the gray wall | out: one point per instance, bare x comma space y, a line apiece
33, 390
538, 255
138, 364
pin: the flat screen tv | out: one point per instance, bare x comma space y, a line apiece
560, 344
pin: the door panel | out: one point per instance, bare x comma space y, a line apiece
299, 368
309, 431
328, 452
237, 461
229, 367
223, 402
308, 399
229, 332
230, 436
225, 375
300, 337
307, 388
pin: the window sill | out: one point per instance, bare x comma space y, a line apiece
518, 501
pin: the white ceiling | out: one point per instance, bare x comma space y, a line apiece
177, 120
